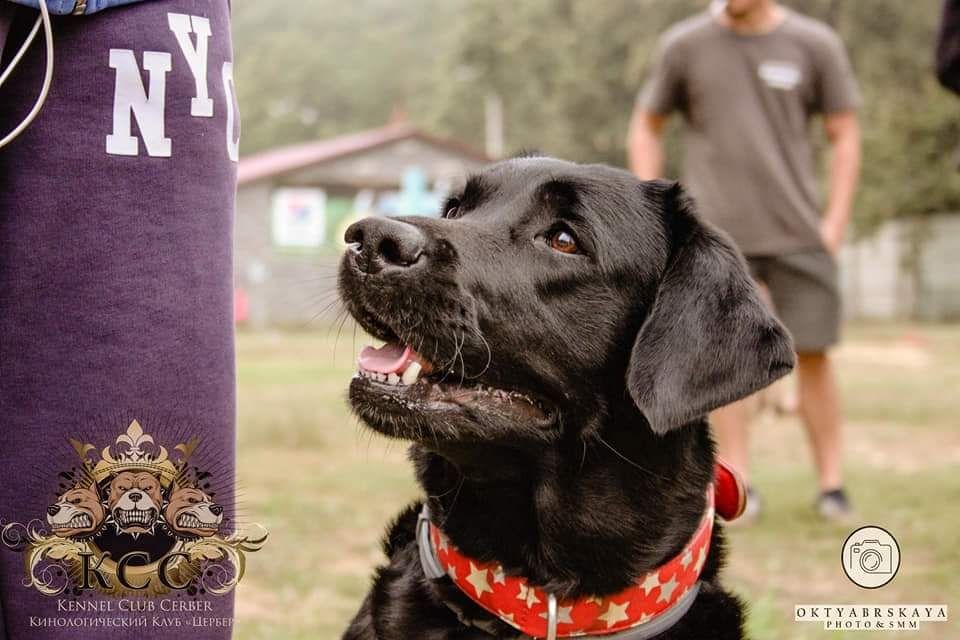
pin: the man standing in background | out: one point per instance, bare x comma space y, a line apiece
748, 75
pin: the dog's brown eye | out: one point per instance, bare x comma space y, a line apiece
563, 241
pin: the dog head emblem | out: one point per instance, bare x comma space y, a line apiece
134, 499
191, 512
77, 512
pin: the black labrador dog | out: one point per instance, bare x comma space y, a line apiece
554, 342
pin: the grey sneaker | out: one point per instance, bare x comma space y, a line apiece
834, 505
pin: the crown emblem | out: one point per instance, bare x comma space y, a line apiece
135, 451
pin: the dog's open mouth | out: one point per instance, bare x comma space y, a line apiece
134, 517
400, 373
79, 521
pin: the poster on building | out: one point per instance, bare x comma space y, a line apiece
299, 218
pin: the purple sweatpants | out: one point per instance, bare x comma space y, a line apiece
117, 399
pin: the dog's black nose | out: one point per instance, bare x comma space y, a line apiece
135, 497
216, 509
53, 509
378, 243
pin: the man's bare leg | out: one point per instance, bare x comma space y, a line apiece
731, 428
820, 410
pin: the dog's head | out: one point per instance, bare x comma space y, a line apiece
77, 512
191, 512
134, 499
548, 296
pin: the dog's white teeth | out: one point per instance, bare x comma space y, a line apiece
189, 521
412, 373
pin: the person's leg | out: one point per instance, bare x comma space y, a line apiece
820, 410
805, 291
731, 428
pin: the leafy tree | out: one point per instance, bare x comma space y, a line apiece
567, 72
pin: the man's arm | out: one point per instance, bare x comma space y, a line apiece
843, 132
645, 144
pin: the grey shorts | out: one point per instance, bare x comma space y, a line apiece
805, 291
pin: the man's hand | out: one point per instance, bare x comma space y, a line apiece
843, 132
832, 232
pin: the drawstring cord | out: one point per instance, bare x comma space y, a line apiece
42, 20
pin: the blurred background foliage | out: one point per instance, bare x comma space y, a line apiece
567, 72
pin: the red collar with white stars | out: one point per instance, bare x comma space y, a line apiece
650, 598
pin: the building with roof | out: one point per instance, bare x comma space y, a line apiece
294, 203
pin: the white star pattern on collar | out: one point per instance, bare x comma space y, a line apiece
563, 615
615, 613
666, 590
506, 616
528, 594
478, 580
651, 582
701, 557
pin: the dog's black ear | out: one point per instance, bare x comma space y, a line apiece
709, 339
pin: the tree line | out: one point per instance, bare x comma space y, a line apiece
567, 73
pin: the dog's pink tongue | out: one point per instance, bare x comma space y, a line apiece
390, 358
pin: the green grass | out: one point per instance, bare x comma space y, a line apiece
326, 487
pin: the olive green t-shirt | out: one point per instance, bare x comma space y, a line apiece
747, 101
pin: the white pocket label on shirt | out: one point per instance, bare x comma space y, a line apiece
780, 75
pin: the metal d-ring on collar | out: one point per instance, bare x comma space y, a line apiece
433, 570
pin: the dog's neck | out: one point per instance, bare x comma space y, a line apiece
583, 517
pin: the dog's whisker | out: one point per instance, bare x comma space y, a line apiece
463, 364
479, 334
626, 459
336, 340
453, 503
